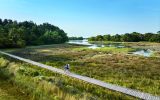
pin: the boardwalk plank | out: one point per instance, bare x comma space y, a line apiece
131, 92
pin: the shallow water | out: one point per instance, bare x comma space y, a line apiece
142, 52
81, 42
94, 46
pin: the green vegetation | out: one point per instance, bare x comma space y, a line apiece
115, 50
112, 50
9, 91
128, 37
33, 83
113, 65
19, 34
75, 38
110, 64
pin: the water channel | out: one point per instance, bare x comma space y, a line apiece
142, 52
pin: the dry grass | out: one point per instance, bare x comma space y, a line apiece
41, 84
115, 67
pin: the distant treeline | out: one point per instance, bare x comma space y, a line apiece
20, 34
128, 37
75, 38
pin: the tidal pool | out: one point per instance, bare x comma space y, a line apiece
142, 52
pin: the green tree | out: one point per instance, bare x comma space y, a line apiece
92, 39
126, 37
147, 36
2, 37
1, 22
15, 38
75, 38
155, 38
19, 34
5, 22
107, 38
136, 37
116, 38
99, 38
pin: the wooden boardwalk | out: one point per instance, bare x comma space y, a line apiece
131, 92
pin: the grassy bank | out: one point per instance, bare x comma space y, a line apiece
111, 50
109, 65
144, 45
33, 83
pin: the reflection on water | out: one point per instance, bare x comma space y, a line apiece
142, 52
81, 42
94, 46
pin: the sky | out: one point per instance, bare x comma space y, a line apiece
87, 17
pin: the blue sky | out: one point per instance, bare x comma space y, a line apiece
87, 17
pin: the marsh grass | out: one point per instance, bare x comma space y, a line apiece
10, 92
109, 65
41, 84
115, 50
107, 49
156, 54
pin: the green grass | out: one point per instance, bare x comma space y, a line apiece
156, 54
35, 83
8, 91
115, 50
107, 64
106, 49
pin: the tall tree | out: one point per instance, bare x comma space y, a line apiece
147, 36
19, 34
107, 37
1, 22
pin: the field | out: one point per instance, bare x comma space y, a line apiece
10, 92
113, 65
21, 81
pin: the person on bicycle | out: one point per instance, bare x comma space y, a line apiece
66, 68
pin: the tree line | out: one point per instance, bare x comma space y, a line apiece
20, 34
75, 38
128, 37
